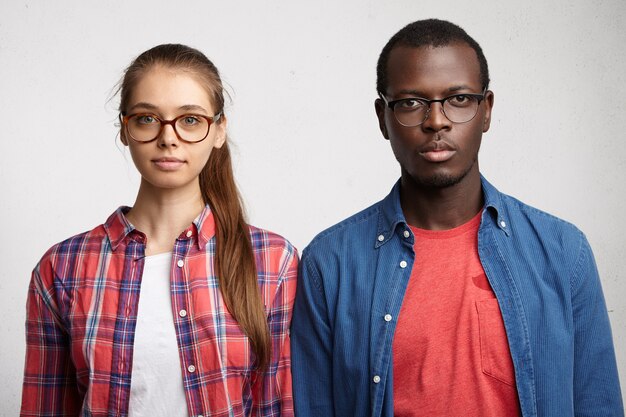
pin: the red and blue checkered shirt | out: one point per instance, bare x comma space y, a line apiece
82, 310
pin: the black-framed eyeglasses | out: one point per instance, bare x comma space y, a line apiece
413, 111
146, 127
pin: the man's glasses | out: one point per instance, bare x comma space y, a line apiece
146, 127
411, 112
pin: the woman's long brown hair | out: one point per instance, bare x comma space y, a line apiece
234, 258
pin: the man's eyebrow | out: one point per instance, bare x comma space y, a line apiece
411, 93
459, 88
416, 93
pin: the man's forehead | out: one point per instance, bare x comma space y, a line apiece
450, 65
429, 54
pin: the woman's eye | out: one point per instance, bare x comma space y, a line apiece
190, 120
146, 119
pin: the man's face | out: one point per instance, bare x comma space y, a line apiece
438, 153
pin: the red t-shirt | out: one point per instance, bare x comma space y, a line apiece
450, 352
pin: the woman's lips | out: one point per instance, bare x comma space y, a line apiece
168, 164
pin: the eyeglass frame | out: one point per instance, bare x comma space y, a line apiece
393, 103
210, 120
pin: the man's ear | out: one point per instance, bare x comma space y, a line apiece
489, 98
379, 106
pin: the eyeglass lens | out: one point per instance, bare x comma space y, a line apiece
146, 127
458, 109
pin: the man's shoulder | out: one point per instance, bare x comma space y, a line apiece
517, 209
522, 213
356, 227
530, 226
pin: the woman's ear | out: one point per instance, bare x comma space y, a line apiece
220, 136
123, 137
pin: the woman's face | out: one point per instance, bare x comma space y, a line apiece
168, 162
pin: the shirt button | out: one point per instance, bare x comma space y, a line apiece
182, 313
376, 379
381, 238
180, 263
403, 264
388, 317
189, 233
406, 234
502, 223
191, 368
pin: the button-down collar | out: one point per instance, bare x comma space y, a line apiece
118, 228
493, 205
391, 214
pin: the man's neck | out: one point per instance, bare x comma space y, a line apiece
441, 208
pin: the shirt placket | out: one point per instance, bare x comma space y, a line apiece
392, 276
183, 316
128, 302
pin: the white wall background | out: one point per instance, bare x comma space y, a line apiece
308, 150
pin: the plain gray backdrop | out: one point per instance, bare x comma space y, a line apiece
307, 147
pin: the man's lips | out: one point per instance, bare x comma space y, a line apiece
437, 151
168, 163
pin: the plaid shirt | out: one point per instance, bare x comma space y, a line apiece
82, 310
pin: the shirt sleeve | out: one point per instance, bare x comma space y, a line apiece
596, 384
311, 343
49, 387
272, 391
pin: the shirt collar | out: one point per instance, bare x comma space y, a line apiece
118, 228
205, 227
391, 214
495, 206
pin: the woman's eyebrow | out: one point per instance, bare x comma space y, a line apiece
144, 106
189, 107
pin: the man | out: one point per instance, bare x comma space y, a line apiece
448, 298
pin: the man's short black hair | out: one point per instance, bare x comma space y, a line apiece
429, 32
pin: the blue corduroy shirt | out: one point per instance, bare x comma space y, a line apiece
353, 277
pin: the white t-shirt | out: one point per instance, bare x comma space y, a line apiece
156, 387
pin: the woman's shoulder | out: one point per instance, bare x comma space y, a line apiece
266, 239
80, 243
82, 246
273, 248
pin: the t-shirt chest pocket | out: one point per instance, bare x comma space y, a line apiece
494, 346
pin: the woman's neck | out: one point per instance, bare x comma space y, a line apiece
162, 214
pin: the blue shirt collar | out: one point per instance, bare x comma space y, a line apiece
391, 214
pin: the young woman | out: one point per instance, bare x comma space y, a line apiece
176, 306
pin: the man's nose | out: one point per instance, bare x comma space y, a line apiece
435, 118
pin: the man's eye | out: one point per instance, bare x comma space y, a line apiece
410, 104
460, 100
